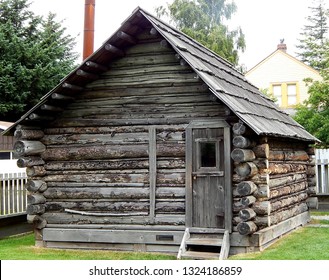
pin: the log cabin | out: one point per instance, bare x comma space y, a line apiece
155, 143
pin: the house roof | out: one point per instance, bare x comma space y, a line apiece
280, 52
225, 82
5, 125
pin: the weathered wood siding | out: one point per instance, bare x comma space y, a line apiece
116, 155
273, 180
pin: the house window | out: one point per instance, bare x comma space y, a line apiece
286, 94
277, 94
291, 94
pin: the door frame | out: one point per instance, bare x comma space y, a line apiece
200, 124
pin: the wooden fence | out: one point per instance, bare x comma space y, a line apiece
12, 193
322, 170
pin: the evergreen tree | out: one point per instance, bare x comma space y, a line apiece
314, 44
204, 21
35, 54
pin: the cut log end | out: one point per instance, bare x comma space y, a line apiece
246, 228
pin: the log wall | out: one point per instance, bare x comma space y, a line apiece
116, 155
273, 180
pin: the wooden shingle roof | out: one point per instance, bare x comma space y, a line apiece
229, 85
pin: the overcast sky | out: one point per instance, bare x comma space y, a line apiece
264, 22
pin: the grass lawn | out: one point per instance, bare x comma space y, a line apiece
308, 243
22, 248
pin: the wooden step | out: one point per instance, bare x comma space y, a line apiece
200, 255
204, 241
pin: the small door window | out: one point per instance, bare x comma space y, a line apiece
208, 154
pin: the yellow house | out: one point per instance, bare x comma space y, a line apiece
283, 76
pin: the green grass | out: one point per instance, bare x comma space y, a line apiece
319, 213
22, 248
308, 243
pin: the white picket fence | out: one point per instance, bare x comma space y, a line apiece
12, 193
322, 170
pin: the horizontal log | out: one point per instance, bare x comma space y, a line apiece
262, 207
30, 161
35, 199
106, 176
247, 214
246, 228
284, 168
246, 169
97, 193
37, 221
248, 200
35, 186
35, 171
111, 130
242, 155
262, 151
277, 217
66, 218
288, 156
288, 201
99, 139
113, 193
99, 206
285, 179
246, 188
288, 189
111, 152
28, 148
242, 142
120, 164
29, 134
35, 209
103, 93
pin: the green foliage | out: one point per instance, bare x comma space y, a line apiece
314, 114
314, 44
203, 20
35, 55
266, 92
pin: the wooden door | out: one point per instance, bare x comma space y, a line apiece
208, 175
